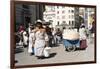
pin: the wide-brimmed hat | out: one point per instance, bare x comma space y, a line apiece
40, 21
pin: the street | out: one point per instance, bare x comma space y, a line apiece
58, 55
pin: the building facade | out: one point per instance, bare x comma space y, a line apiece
59, 15
26, 14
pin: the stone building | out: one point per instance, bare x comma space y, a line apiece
26, 14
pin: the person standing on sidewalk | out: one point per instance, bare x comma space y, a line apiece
31, 37
83, 37
40, 40
58, 35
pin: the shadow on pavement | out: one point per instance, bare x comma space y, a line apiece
79, 49
57, 45
19, 50
52, 55
16, 61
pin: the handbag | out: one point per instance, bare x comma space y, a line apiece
46, 51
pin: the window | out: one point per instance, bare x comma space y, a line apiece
58, 7
72, 11
25, 6
58, 17
69, 22
63, 11
52, 8
64, 22
57, 12
63, 17
72, 16
69, 11
53, 15
63, 6
58, 23
50, 21
69, 16
72, 22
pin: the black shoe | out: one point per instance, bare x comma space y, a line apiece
15, 61
38, 57
31, 54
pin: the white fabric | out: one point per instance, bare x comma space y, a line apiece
90, 27
31, 36
82, 32
25, 38
40, 38
20, 43
70, 34
46, 51
53, 33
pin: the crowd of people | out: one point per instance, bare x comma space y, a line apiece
40, 36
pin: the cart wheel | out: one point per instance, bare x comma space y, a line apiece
83, 48
71, 48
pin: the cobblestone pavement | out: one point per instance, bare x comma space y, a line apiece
59, 55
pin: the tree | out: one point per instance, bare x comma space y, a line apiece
79, 21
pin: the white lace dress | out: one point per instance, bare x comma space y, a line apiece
40, 42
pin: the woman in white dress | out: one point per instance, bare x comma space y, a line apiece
30, 47
40, 40
31, 37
